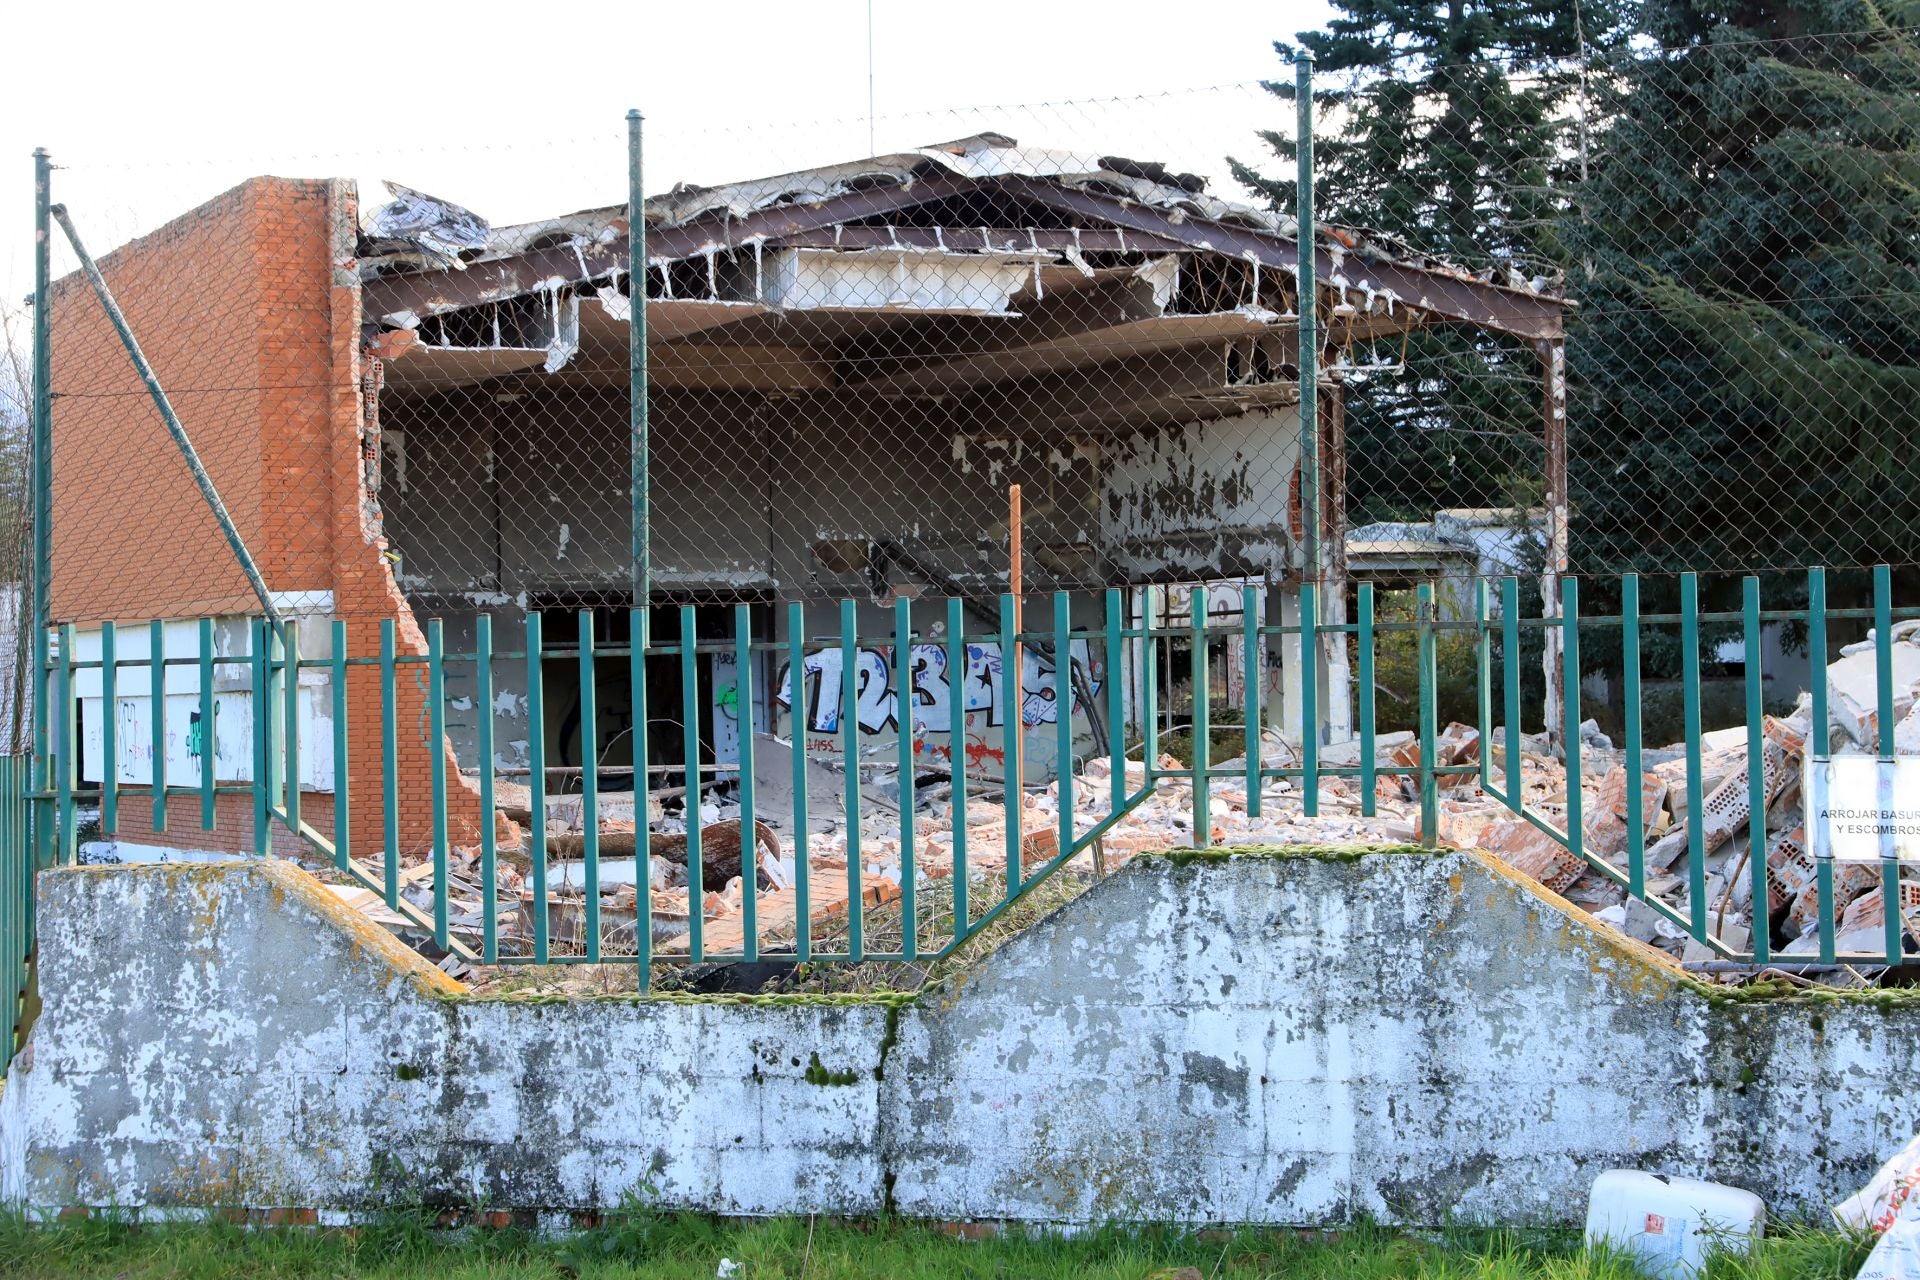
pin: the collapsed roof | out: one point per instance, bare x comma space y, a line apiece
986, 259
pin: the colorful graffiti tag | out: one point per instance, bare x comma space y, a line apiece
877, 701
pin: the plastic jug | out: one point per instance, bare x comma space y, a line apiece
1669, 1225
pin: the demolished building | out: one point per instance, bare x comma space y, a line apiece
427, 417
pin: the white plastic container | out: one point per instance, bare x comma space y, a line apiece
1669, 1225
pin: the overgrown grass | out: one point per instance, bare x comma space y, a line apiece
645, 1244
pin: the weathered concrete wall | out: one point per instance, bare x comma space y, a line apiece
1286, 1039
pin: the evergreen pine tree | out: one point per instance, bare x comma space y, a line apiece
1747, 360
1445, 126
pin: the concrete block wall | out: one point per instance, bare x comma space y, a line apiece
1293, 1039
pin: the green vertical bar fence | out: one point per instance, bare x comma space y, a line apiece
1690, 699
590, 793
1369, 783
1636, 787
437, 773
389, 770
1756, 766
1201, 752
1062, 715
1429, 716
537, 785
157, 717
957, 759
690, 754
743, 703
109, 729
1894, 922
342, 792
489, 853
903, 721
209, 778
1819, 745
797, 728
639, 635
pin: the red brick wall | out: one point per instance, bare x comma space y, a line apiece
248, 309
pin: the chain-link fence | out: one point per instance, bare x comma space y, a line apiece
1595, 309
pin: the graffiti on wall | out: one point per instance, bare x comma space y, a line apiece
982, 689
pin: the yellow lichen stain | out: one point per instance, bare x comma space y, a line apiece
289, 883
205, 885
1645, 971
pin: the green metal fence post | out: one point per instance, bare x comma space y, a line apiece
1063, 715
342, 791
1570, 687
639, 635
437, 773
1250, 697
850, 757
903, 738
743, 702
208, 751
1201, 752
259, 639
1756, 767
537, 786
1307, 240
958, 667
1636, 787
1510, 689
40, 456
389, 767
1310, 699
1369, 784
639, 439
1894, 921
690, 755
109, 728
1113, 645
797, 728
66, 753
489, 852
640, 622
1149, 695
1429, 715
590, 794
157, 719
1820, 746
1013, 707
1690, 699
290, 724
1483, 662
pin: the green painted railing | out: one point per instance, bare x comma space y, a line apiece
16, 901
929, 916
1091, 624
1748, 624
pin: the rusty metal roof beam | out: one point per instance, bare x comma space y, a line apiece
425, 293
984, 239
1475, 302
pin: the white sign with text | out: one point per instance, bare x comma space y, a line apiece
1862, 808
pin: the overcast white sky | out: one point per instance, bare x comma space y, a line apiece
517, 109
